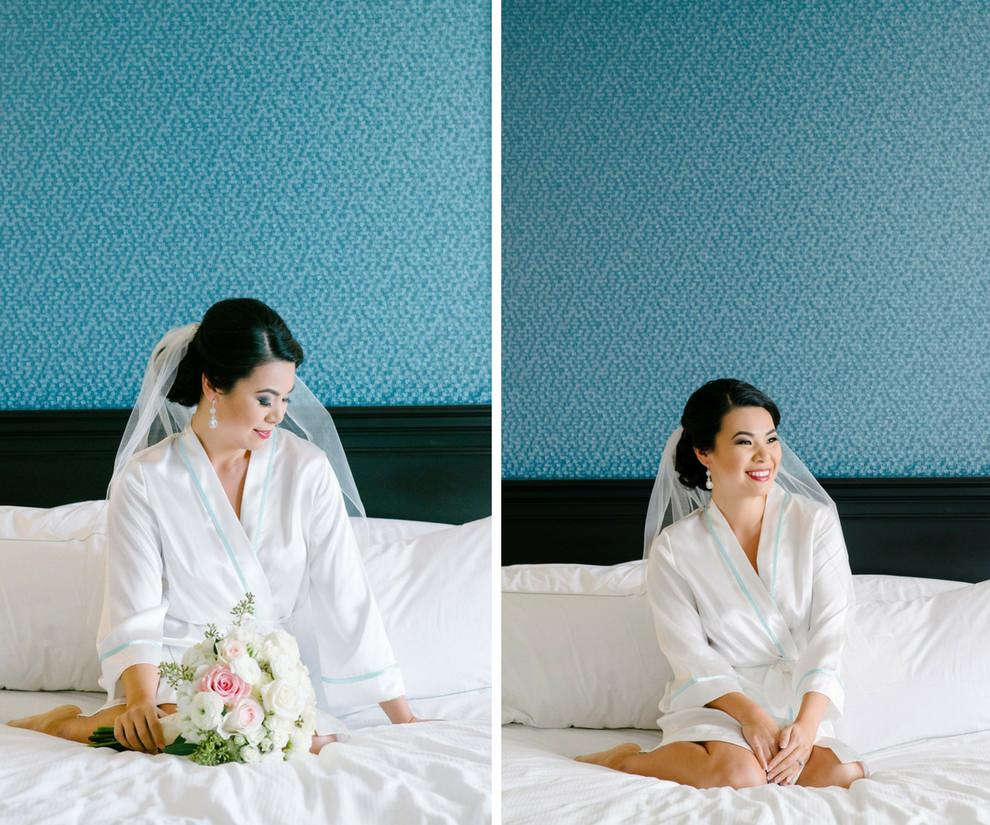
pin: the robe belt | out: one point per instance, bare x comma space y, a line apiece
777, 681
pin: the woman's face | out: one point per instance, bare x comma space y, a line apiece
254, 406
746, 455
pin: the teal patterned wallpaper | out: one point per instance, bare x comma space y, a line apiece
331, 158
795, 194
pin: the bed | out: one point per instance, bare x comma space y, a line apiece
581, 673
432, 581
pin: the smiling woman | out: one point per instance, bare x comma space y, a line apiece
749, 594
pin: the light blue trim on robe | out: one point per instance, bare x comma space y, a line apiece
742, 585
776, 546
119, 648
212, 515
349, 680
264, 493
824, 670
696, 679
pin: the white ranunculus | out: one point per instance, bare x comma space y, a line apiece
250, 754
280, 738
197, 656
247, 668
189, 731
299, 744
283, 698
206, 710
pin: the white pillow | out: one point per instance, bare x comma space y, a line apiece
928, 673
51, 595
431, 584
434, 592
578, 649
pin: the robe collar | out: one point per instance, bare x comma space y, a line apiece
758, 588
239, 538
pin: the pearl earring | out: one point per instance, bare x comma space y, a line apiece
213, 414
708, 479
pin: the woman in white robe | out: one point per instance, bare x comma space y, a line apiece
749, 597
232, 504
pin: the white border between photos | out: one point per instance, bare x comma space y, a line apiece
496, 142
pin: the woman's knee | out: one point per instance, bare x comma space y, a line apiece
737, 769
169, 707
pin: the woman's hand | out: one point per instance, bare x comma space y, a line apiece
796, 742
762, 734
138, 728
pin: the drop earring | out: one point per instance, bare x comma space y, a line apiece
708, 479
213, 414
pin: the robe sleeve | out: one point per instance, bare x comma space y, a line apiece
357, 665
818, 665
134, 605
701, 674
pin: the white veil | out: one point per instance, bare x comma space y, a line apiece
154, 417
671, 501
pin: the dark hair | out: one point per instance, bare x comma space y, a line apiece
235, 336
702, 419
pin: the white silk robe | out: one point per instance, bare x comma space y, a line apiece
772, 635
178, 558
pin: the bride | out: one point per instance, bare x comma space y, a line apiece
749, 589
210, 498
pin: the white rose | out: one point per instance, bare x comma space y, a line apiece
232, 649
250, 754
247, 668
283, 698
279, 640
171, 727
206, 710
244, 718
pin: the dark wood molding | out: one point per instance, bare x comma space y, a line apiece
932, 527
416, 462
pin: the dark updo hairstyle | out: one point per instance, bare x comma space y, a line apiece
702, 419
235, 336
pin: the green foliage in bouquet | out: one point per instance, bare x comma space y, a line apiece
103, 738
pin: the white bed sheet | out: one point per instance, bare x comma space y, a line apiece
431, 772
944, 780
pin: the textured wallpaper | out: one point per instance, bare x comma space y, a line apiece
330, 158
795, 194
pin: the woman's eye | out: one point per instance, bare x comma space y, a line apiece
264, 402
743, 443
772, 439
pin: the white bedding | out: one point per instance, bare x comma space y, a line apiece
943, 780
430, 772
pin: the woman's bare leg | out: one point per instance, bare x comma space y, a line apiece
825, 770
700, 764
67, 721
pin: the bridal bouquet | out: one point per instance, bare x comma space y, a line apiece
243, 696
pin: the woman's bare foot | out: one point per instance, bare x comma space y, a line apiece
51, 722
612, 758
319, 741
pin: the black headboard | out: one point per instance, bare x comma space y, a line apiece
424, 463
931, 527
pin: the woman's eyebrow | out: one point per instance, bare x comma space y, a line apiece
743, 432
273, 392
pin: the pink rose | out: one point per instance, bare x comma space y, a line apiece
228, 686
244, 717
